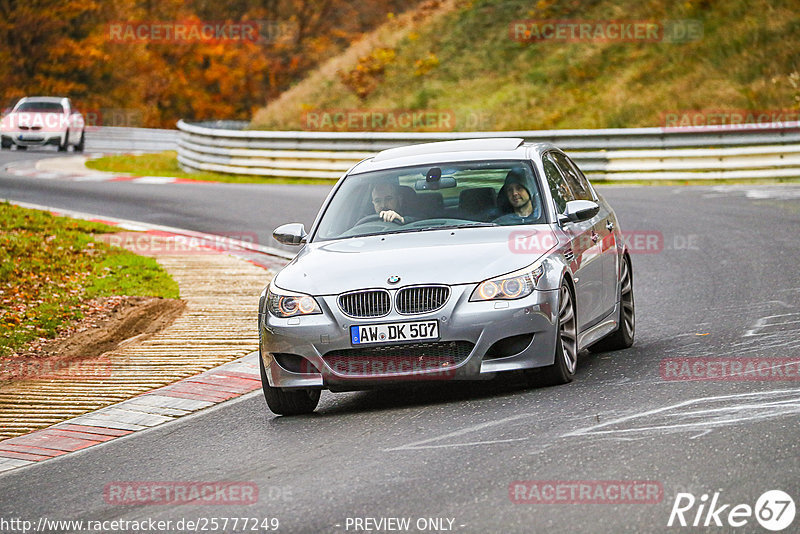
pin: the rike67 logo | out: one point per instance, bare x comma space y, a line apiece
774, 510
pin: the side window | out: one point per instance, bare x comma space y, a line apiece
577, 181
558, 187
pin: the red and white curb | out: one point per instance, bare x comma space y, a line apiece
162, 405
30, 169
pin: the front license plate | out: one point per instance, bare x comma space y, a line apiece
388, 332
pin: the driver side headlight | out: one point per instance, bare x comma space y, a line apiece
281, 303
509, 286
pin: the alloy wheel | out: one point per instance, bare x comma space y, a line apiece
567, 330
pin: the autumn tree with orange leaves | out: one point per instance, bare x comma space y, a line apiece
66, 48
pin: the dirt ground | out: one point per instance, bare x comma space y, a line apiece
109, 323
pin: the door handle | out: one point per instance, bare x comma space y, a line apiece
609, 225
595, 237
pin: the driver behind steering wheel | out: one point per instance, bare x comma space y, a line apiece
388, 202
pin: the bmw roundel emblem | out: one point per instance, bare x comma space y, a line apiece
393, 279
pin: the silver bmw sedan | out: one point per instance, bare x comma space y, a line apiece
455, 260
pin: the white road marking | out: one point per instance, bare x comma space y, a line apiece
756, 192
452, 445
155, 180
699, 415
422, 444
7, 464
132, 227
742, 407
88, 178
764, 323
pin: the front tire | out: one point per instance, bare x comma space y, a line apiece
622, 337
82, 144
566, 354
63, 147
287, 401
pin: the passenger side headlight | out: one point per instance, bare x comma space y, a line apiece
510, 286
283, 304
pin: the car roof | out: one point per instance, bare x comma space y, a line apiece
484, 149
54, 99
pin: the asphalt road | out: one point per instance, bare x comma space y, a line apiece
724, 283
236, 210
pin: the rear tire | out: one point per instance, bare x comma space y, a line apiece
287, 401
566, 354
5, 143
622, 337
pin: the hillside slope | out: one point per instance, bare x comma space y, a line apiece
460, 57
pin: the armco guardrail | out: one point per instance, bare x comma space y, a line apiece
118, 139
747, 151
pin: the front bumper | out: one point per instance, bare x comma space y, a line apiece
498, 336
34, 138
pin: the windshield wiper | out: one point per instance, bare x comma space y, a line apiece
464, 225
409, 230
443, 227
402, 230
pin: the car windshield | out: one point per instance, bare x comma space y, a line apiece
433, 197
41, 107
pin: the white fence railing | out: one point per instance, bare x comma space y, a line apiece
746, 151
119, 139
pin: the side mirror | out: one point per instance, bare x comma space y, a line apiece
580, 210
290, 234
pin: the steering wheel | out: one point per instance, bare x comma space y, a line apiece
375, 217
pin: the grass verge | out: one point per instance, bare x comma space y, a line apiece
166, 164
50, 266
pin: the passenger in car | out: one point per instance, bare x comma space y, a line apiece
515, 197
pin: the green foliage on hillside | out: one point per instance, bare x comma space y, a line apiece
466, 62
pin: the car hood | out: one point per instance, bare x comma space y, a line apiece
457, 256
